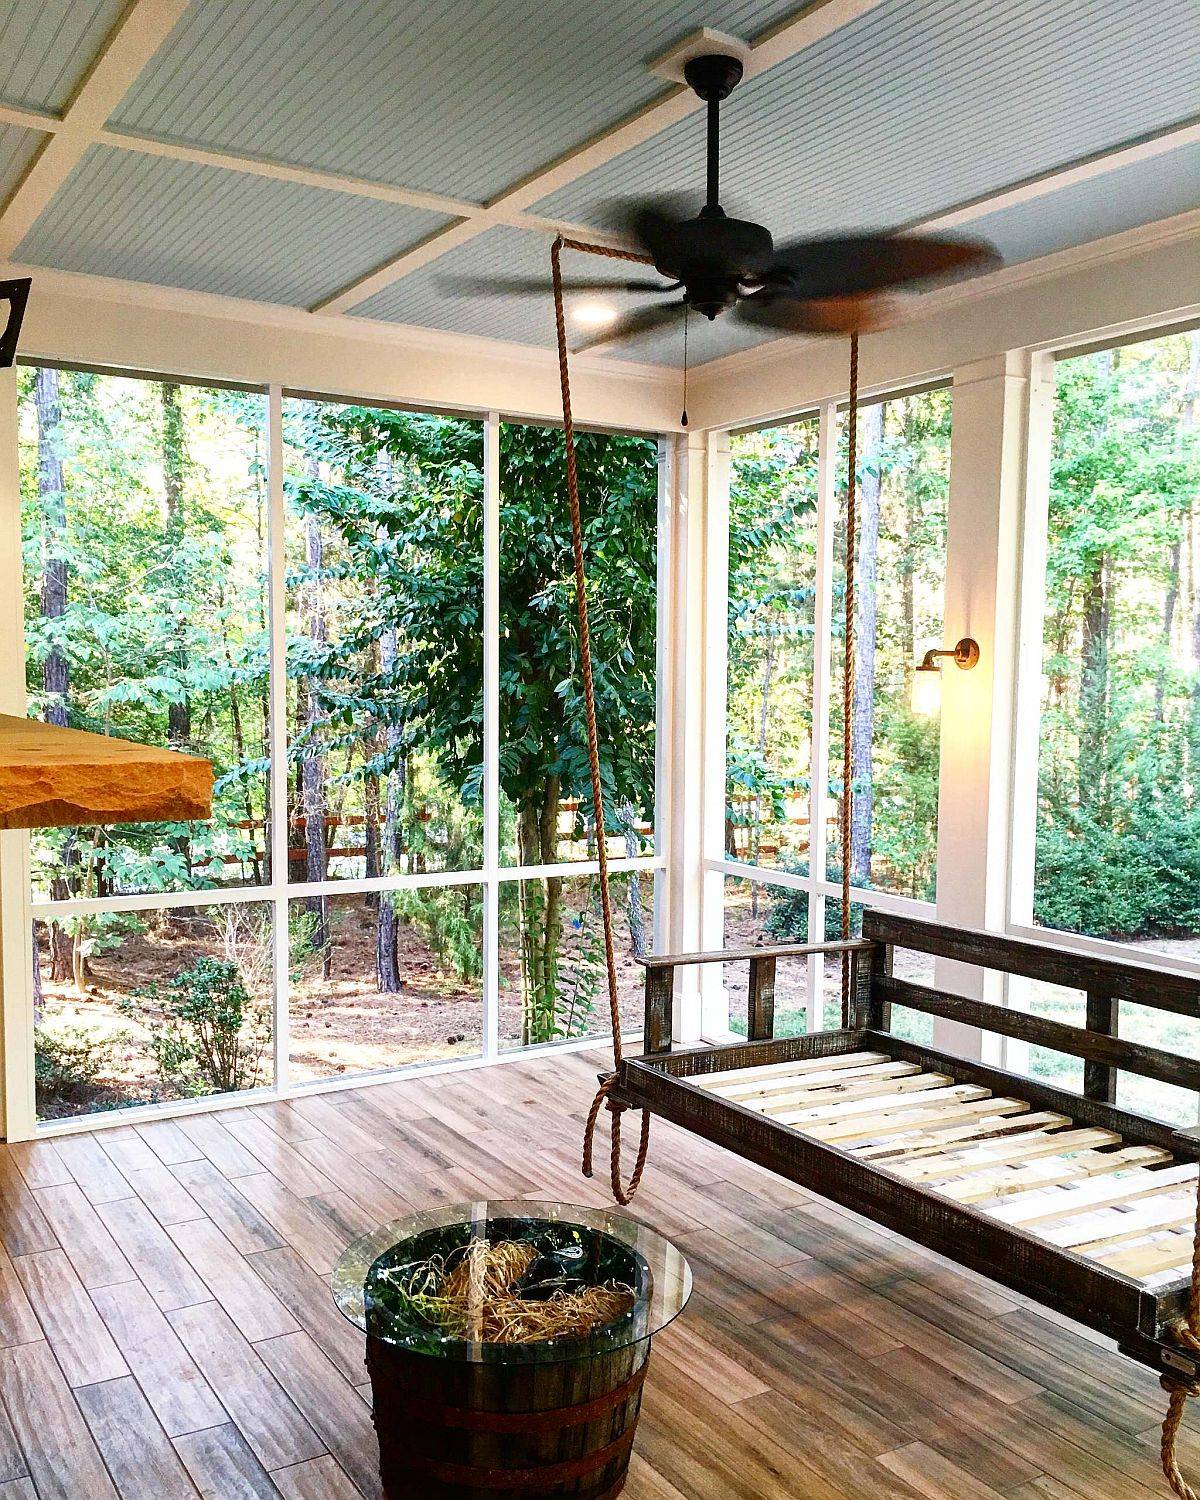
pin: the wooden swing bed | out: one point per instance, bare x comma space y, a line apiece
1065, 1198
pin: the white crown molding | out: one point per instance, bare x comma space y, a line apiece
242, 311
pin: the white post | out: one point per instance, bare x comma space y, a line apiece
987, 482
491, 734
693, 894
16, 966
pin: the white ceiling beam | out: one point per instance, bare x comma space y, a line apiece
29, 119
279, 171
805, 29
133, 41
335, 182
1084, 169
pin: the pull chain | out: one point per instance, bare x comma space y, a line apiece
683, 420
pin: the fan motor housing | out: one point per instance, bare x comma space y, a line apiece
713, 76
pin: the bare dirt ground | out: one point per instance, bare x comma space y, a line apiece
340, 1025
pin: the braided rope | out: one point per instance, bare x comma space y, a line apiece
847, 829
621, 1193
1179, 1389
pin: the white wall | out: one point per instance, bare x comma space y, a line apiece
90, 321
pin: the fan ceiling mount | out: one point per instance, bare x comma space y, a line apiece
832, 284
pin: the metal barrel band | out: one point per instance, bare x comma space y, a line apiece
542, 1477
415, 1409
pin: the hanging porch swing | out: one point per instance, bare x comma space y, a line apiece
1085, 1207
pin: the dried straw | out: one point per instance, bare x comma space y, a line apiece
475, 1301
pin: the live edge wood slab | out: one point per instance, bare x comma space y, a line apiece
53, 778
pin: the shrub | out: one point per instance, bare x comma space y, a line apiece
67, 1061
212, 1033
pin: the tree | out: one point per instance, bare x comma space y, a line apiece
55, 667
398, 496
1118, 815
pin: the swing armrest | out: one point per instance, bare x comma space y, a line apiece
660, 983
734, 955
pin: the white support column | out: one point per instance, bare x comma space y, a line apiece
16, 967
491, 734
699, 473
987, 483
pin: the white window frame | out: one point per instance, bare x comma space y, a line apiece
1027, 697
819, 888
18, 909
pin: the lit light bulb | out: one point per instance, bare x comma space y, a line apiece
593, 314
926, 691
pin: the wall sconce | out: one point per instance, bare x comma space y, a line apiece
927, 675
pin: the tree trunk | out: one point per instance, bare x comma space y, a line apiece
387, 967
39, 998
179, 711
764, 721
541, 915
52, 500
1187, 421
53, 503
1093, 688
866, 628
312, 766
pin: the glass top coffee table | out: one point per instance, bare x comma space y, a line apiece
609, 1246
507, 1342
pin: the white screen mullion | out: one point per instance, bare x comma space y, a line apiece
491, 734
277, 689
818, 791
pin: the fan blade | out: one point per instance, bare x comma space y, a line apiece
820, 315
853, 264
655, 316
536, 286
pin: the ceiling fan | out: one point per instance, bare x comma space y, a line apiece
827, 285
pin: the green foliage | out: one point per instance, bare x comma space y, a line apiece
451, 919
207, 1034
1119, 811
772, 591
67, 1062
165, 606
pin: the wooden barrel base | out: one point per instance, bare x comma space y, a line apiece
450, 1430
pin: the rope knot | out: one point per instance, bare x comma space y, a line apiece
1187, 1385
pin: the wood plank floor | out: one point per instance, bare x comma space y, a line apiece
166, 1327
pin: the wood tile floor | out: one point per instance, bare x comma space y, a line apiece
166, 1328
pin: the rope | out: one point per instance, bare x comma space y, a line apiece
622, 1194
847, 829
1187, 1333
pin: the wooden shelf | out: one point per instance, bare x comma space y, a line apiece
54, 778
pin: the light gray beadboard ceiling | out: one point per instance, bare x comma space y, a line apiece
909, 111
921, 105
46, 47
454, 96
144, 218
